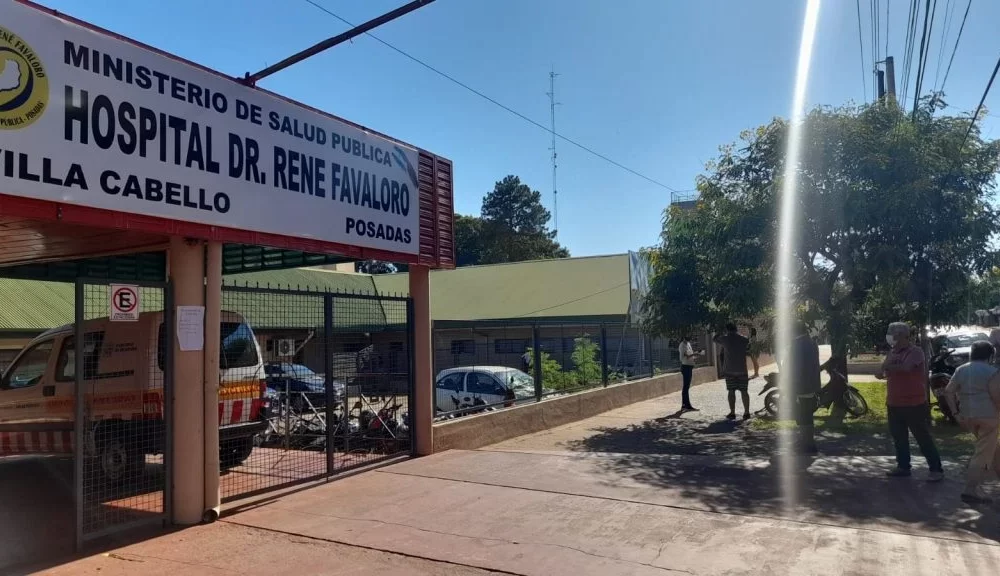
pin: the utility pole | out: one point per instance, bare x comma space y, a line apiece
890, 76
886, 79
555, 190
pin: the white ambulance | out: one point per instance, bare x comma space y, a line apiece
123, 393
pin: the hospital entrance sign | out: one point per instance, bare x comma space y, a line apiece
93, 120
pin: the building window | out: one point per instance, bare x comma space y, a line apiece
354, 346
510, 345
463, 347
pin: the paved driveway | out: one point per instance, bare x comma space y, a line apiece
635, 491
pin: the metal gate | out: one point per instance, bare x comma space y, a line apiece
336, 375
122, 399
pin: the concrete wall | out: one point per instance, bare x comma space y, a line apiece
865, 368
492, 427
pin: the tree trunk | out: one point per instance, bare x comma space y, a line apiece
839, 326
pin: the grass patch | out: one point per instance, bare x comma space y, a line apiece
873, 429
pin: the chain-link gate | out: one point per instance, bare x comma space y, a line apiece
335, 374
122, 373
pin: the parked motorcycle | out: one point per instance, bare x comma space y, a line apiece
854, 403
941, 371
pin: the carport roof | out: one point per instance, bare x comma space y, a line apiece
27, 305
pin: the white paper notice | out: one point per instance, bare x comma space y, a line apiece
191, 328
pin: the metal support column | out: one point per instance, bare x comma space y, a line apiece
536, 361
412, 365
604, 355
79, 433
649, 346
331, 429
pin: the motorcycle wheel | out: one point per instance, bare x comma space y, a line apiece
771, 402
855, 403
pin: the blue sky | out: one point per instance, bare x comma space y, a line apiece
657, 85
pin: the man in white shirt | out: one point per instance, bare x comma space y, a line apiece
974, 396
687, 356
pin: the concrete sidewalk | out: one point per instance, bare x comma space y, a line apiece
634, 491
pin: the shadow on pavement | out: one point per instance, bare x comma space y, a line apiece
730, 468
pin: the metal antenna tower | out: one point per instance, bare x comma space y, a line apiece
555, 190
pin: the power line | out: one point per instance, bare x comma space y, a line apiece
461, 84
565, 302
949, 13
861, 44
873, 22
975, 115
927, 51
887, 3
955, 49
920, 57
911, 30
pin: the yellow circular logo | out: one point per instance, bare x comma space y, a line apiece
24, 86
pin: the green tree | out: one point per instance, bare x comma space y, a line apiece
895, 216
586, 368
468, 240
553, 376
512, 227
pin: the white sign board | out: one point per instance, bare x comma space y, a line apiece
124, 303
190, 328
91, 120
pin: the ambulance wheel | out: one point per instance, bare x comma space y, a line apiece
116, 461
234, 452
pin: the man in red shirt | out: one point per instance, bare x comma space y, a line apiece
905, 370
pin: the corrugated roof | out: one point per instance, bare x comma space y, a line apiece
307, 279
32, 305
269, 311
567, 287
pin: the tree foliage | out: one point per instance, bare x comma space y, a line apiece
375, 267
586, 369
894, 217
512, 227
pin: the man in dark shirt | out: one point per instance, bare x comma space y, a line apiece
801, 365
734, 368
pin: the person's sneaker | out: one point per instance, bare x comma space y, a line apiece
690, 409
898, 473
935, 476
731, 416
976, 499
747, 416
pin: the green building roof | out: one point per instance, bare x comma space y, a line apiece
557, 290
553, 289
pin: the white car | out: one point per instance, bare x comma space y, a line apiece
960, 344
458, 388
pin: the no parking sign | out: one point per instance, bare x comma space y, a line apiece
124, 303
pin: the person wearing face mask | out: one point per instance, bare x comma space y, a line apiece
995, 342
974, 396
905, 372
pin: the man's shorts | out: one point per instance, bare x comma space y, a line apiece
741, 383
